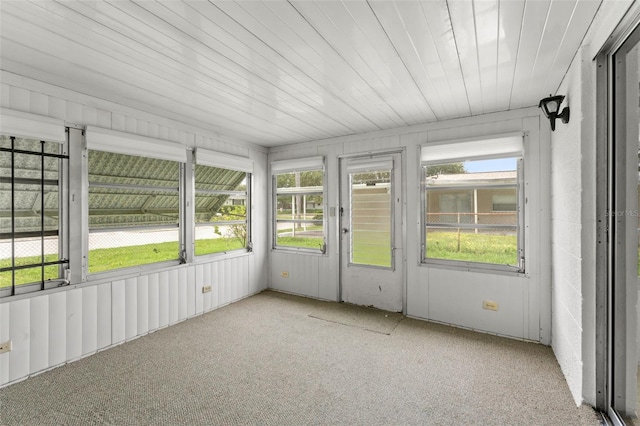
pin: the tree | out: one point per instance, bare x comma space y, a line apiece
303, 179
235, 230
371, 178
308, 178
446, 169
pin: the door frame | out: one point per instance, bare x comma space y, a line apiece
400, 262
608, 328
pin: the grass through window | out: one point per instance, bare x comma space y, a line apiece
120, 257
471, 247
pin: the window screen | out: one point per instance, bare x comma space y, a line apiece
134, 210
298, 206
472, 210
32, 214
222, 207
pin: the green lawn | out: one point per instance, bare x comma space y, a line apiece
303, 242
483, 248
30, 275
312, 242
116, 258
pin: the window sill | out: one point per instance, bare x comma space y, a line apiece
481, 268
216, 257
294, 250
32, 289
133, 271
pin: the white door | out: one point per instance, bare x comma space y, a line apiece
371, 244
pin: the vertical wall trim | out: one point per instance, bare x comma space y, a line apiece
602, 228
187, 212
78, 206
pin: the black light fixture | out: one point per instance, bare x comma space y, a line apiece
550, 106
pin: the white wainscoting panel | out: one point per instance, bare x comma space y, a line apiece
89, 320
174, 300
182, 293
118, 311
163, 292
455, 297
190, 283
130, 308
19, 357
302, 270
213, 278
39, 334
51, 329
4, 336
154, 301
74, 324
57, 328
104, 315
143, 305
201, 299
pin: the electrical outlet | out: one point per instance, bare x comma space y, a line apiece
206, 289
5, 347
285, 274
490, 305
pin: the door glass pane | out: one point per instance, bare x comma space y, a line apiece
371, 218
625, 250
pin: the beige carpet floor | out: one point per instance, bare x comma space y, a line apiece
369, 319
267, 360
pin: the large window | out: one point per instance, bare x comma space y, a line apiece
223, 203
134, 203
472, 209
298, 204
134, 210
32, 214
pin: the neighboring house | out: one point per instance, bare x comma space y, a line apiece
235, 200
481, 198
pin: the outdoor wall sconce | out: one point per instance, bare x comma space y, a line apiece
550, 106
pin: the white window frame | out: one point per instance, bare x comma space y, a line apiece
100, 139
220, 160
279, 167
24, 125
511, 145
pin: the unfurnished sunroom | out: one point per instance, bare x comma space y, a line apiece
164, 159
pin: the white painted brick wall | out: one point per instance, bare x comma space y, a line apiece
566, 235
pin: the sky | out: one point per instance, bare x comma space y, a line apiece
499, 165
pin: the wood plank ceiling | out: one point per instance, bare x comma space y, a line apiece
277, 72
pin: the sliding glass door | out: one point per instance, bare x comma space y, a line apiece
623, 249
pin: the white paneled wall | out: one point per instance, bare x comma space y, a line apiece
54, 327
51, 329
446, 295
467, 290
297, 273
